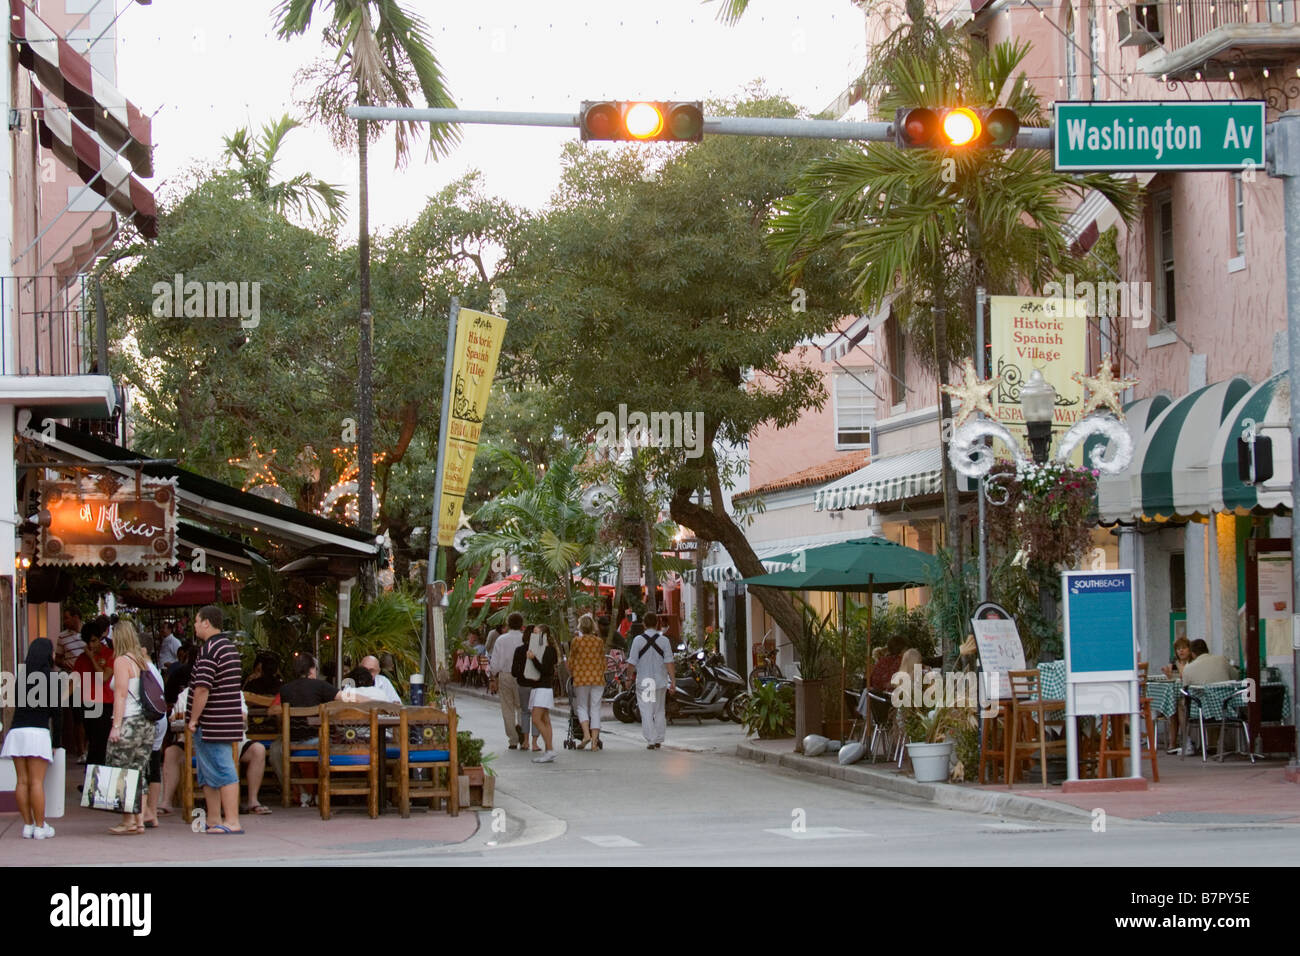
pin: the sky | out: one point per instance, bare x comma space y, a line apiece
209, 68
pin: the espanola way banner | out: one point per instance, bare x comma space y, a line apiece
1048, 334
478, 346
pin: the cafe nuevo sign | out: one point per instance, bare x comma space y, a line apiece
101, 521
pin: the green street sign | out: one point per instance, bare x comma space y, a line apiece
1126, 136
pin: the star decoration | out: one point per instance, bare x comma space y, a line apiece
1104, 388
257, 465
972, 393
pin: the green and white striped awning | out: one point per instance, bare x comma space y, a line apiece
888, 479
1266, 407
1115, 492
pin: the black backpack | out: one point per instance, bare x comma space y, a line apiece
650, 642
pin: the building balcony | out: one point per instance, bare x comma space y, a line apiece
1212, 40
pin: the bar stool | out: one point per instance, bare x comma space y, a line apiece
1029, 721
993, 744
1114, 731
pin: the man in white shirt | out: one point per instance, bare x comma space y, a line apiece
1205, 668
384, 687
168, 648
502, 682
654, 674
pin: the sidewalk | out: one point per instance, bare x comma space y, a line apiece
1189, 791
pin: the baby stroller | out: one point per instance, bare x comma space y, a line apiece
574, 735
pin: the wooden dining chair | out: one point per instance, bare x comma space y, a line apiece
295, 758
1029, 723
190, 774
349, 759
426, 739
1115, 731
994, 735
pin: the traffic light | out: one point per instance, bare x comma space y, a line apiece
962, 126
644, 121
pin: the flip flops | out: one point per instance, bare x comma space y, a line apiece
222, 830
259, 809
121, 830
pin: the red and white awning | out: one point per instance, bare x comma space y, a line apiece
77, 149
91, 96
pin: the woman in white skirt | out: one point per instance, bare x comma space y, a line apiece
534, 668
30, 744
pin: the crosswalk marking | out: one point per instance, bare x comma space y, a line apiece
609, 842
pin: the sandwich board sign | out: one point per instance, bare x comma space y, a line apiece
999, 647
1101, 675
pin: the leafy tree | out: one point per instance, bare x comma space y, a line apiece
648, 283
256, 157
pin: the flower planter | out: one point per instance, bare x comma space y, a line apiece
807, 710
476, 787
930, 761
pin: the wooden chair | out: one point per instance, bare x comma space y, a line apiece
1113, 750
262, 727
190, 774
994, 736
1029, 722
349, 757
426, 738
291, 758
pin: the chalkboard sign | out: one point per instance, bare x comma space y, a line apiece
1099, 625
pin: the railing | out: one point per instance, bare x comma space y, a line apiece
53, 325
1183, 21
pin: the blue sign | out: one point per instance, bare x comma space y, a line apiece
1099, 622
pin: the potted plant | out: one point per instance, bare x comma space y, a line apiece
931, 735
475, 778
813, 644
770, 711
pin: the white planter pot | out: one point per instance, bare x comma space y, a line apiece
930, 761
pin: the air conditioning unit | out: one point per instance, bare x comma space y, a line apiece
1139, 25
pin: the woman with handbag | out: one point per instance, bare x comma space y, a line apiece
30, 744
534, 668
130, 741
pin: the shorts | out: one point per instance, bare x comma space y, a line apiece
541, 697
216, 764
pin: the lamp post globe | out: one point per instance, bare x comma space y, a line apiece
1038, 403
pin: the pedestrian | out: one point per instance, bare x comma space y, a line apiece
95, 667
502, 681
160, 727
130, 740
30, 743
491, 641
67, 649
216, 721
169, 648
534, 668
587, 664
651, 657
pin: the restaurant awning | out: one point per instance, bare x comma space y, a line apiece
1115, 492
90, 96
1268, 407
106, 174
886, 479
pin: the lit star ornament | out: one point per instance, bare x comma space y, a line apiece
972, 393
1104, 388
257, 465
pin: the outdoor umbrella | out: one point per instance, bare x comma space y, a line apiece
872, 565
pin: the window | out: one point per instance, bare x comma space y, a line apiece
855, 407
1177, 582
1238, 196
897, 361
1094, 52
1071, 62
1162, 227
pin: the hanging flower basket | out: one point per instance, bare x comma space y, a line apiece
1044, 511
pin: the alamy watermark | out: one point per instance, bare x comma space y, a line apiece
1122, 300
39, 689
208, 300
656, 429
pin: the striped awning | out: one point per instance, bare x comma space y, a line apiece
79, 150
89, 95
1267, 407
886, 479
1115, 492
847, 339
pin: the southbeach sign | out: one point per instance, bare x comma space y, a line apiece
1159, 137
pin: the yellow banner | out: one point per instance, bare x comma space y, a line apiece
478, 346
1049, 334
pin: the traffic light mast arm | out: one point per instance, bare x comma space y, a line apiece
1030, 138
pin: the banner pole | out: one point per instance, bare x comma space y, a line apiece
436, 515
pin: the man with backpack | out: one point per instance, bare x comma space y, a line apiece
654, 674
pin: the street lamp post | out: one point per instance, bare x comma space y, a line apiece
1038, 402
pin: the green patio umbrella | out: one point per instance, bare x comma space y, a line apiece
871, 565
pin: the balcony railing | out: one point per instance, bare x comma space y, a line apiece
1184, 21
52, 323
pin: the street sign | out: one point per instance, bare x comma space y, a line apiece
1158, 137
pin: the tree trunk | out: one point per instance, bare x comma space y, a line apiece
648, 559
365, 358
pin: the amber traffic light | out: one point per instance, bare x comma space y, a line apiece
646, 121
923, 127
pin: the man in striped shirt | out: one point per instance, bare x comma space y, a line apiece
216, 720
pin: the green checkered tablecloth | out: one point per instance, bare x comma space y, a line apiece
1052, 680
1164, 696
1214, 696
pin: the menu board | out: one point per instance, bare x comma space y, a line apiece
999, 646
1275, 586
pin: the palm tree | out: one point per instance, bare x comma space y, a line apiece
383, 55
256, 157
931, 225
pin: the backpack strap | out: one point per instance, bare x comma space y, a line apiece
651, 642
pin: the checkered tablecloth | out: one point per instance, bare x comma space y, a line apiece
1214, 696
1164, 696
1052, 680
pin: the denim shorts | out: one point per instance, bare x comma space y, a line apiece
216, 763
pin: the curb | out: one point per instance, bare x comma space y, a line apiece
944, 795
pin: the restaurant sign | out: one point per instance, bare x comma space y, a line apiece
104, 520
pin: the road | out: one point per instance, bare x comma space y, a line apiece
674, 807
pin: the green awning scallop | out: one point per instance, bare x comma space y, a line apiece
1266, 408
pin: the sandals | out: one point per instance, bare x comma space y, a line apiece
222, 830
259, 809
124, 830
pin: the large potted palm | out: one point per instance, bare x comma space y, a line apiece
814, 645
